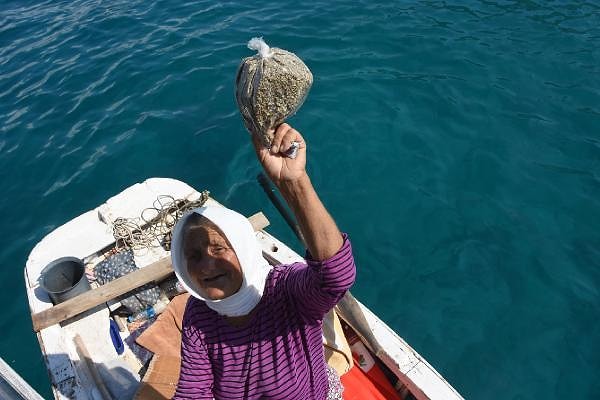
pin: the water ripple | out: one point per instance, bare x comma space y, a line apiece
470, 128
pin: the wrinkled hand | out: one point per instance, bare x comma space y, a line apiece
280, 168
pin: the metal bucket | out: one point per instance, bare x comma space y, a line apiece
64, 278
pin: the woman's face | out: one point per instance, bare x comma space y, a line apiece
211, 261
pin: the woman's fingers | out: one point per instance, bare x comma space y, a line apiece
284, 136
280, 133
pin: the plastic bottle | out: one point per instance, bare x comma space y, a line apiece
172, 288
149, 312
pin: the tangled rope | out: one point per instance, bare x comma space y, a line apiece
153, 227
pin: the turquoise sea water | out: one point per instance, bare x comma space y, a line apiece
457, 142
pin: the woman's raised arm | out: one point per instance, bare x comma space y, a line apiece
322, 235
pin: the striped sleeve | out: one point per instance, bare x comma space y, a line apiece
317, 286
195, 377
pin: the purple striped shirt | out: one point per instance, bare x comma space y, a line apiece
278, 354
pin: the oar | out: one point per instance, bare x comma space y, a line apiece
348, 308
269, 190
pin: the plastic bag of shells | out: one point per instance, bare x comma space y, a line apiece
270, 87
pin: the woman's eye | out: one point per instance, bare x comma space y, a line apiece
218, 249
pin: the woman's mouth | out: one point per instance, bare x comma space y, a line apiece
213, 278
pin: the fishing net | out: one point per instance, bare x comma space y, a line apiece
270, 87
118, 265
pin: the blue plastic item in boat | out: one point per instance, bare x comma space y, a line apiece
116, 337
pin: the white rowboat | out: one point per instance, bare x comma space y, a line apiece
80, 357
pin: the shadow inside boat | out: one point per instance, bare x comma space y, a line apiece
111, 380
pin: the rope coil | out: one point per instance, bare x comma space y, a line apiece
153, 227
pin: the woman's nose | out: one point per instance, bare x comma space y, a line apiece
206, 264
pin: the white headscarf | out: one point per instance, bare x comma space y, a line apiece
242, 238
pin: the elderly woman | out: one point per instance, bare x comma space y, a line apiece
251, 331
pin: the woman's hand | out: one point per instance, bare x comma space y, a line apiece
279, 167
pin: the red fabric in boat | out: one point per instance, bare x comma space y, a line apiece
372, 385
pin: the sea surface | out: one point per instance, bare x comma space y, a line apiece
457, 142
